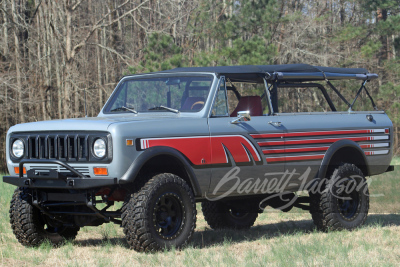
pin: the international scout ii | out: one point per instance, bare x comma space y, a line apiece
229, 137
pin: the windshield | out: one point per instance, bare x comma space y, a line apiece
161, 94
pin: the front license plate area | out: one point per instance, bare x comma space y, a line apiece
45, 174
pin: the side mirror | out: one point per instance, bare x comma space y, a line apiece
242, 116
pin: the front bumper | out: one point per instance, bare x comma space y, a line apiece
54, 179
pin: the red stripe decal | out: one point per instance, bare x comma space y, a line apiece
196, 149
312, 141
271, 143
308, 157
202, 150
235, 145
295, 158
302, 134
294, 150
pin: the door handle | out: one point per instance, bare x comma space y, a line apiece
275, 123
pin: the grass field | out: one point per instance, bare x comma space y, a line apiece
276, 239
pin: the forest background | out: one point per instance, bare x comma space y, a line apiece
51, 52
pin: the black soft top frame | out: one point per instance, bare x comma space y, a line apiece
288, 72
284, 75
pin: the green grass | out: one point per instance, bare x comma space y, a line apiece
277, 239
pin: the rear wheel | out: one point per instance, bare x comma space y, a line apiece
343, 202
162, 214
220, 215
31, 227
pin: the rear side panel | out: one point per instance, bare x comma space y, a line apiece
294, 145
307, 137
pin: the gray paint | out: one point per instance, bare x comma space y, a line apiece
166, 124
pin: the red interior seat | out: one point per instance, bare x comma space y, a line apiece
251, 103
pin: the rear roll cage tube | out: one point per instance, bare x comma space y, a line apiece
337, 92
272, 93
359, 92
274, 97
370, 98
267, 92
234, 89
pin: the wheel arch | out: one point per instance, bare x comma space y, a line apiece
342, 151
162, 159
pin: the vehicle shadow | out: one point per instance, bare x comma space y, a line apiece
207, 237
102, 242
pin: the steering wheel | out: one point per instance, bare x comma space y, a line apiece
197, 103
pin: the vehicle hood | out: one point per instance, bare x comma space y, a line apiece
85, 124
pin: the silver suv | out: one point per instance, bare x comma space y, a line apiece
235, 138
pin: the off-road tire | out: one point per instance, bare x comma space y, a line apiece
331, 211
219, 215
315, 209
28, 224
162, 214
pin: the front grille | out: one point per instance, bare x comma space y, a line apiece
62, 147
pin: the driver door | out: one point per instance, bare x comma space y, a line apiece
235, 151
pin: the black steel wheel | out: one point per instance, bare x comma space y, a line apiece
349, 202
169, 215
162, 214
343, 202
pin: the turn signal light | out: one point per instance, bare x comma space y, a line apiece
100, 171
16, 169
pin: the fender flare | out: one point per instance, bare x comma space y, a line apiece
331, 152
132, 172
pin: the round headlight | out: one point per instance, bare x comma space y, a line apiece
18, 148
99, 148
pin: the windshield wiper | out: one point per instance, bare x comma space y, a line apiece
164, 108
124, 108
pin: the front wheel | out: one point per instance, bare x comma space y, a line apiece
162, 214
343, 202
31, 227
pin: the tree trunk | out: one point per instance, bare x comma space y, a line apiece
18, 65
5, 32
383, 54
68, 65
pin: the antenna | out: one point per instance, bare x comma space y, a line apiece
85, 104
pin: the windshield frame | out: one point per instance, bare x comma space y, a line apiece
105, 110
